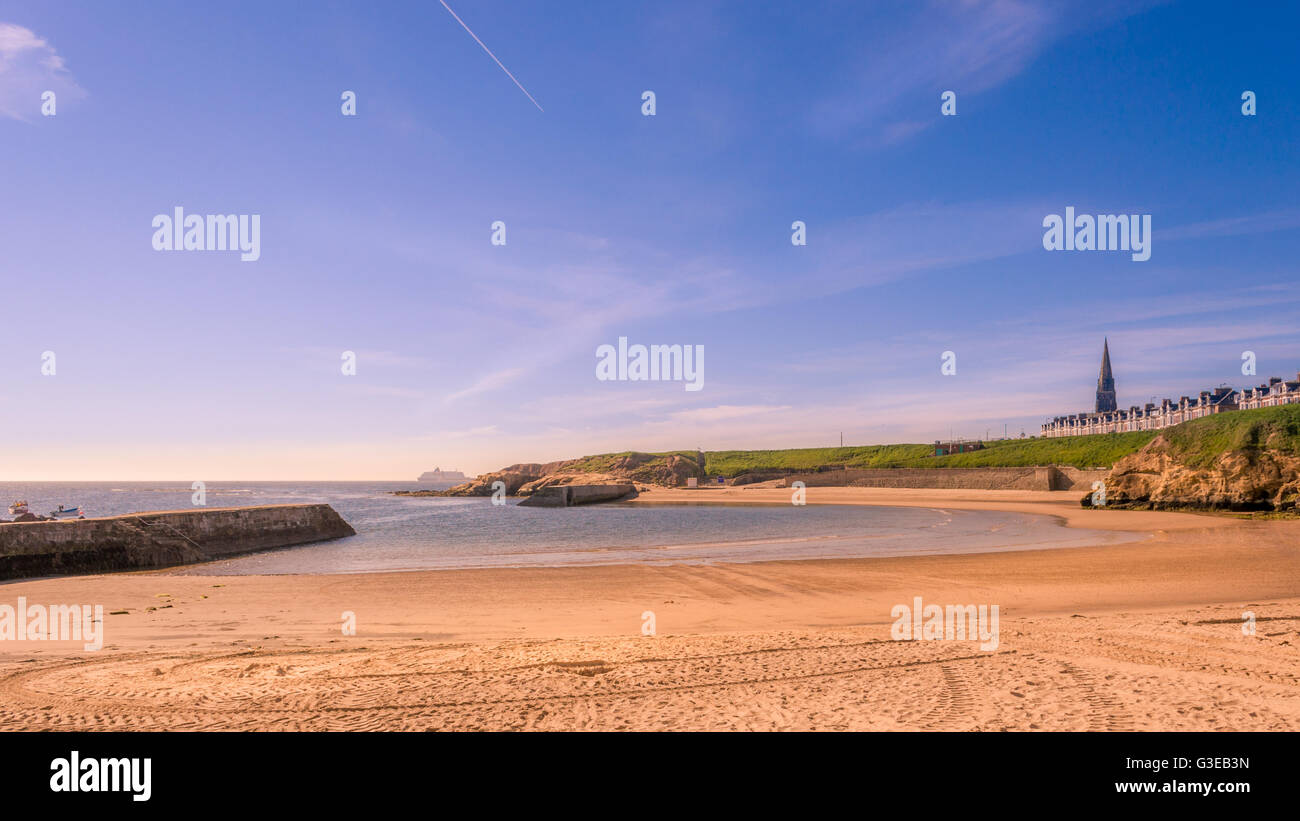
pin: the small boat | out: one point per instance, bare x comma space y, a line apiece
67, 513
18, 509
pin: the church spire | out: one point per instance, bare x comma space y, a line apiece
1106, 383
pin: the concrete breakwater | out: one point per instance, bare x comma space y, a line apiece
138, 541
570, 495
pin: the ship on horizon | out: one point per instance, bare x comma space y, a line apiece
444, 478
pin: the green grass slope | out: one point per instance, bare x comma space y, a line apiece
1077, 451
1197, 443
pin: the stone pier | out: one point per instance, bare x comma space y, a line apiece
139, 541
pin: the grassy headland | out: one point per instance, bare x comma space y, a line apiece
1195, 444
1076, 451
1200, 442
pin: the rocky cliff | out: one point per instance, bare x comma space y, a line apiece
666, 470
1165, 475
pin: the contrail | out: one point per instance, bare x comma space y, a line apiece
493, 56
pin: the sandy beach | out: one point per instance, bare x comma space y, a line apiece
1139, 636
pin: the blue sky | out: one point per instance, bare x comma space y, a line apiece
924, 231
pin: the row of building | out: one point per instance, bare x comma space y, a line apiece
1107, 418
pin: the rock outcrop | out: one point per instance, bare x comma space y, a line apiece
665, 470
1158, 477
513, 477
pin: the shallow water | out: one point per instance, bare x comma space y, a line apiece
404, 533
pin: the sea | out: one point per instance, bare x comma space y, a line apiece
398, 533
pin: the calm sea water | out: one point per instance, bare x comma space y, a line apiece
402, 533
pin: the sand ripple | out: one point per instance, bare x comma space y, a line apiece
1186, 670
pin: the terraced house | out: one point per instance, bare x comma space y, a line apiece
1108, 418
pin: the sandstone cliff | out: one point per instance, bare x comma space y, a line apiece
1165, 475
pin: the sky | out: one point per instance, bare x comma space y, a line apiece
924, 232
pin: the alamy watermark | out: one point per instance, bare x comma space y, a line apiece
655, 363
956, 622
210, 232
55, 622
1098, 498
77, 774
948, 364
1104, 232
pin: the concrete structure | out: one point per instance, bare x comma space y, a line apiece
570, 495
147, 540
1168, 412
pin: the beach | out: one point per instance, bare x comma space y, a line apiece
1145, 635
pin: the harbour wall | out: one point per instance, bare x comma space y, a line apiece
1050, 477
140, 541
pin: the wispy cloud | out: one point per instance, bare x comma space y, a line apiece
488, 382
968, 46
390, 391
721, 413
325, 359
1236, 226
466, 433
922, 237
29, 66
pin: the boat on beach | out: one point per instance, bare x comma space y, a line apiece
18, 509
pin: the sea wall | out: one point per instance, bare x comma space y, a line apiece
1049, 477
146, 540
